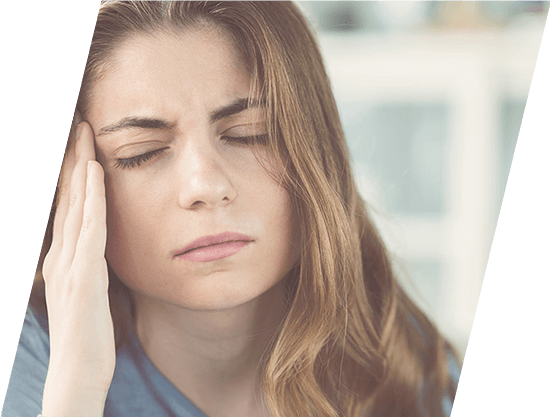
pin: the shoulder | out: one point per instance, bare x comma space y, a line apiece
34, 340
452, 366
453, 369
26, 385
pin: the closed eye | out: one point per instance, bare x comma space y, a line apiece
247, 140
136, 161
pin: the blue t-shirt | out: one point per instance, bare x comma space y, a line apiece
138, 388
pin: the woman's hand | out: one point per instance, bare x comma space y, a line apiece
82, 345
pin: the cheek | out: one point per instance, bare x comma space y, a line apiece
134, 216
143, 214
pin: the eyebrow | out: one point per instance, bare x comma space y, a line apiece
134, 122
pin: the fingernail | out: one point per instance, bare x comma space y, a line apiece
89, 167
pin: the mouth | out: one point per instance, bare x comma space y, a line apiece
213, 252
214, 247
209, 246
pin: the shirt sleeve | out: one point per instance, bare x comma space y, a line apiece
26, 386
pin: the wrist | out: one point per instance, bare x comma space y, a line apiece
65, 398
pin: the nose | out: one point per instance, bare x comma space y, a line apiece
205, 182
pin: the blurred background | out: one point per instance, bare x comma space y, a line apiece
431, 95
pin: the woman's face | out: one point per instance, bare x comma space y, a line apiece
171, 123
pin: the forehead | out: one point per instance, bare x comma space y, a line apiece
196, 68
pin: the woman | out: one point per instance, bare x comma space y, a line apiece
221, 229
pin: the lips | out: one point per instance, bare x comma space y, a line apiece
215, 240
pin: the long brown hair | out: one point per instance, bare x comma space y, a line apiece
352, 342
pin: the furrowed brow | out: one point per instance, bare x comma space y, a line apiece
132, 122
136, 123
236, 107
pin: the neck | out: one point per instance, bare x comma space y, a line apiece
211, 355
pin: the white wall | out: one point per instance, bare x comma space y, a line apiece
432, 116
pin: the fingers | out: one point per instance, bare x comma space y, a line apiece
69, 158
71, 192
76, 196
90, 248
62, 202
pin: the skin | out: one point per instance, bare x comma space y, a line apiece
203, 324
